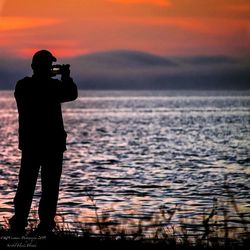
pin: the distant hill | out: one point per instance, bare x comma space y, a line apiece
125, 69
125, 59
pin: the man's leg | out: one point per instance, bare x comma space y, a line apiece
27, 182
50, 173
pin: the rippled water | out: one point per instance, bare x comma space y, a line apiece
136, 152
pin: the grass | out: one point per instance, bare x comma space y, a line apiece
223, 226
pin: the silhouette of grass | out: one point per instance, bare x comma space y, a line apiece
223, 226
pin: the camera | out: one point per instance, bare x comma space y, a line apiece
58, 69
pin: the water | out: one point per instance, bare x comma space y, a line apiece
137, 153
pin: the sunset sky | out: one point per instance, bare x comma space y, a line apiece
164, 27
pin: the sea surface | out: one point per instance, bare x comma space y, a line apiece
137, 156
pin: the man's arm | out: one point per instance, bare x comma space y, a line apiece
21, 94
68, 90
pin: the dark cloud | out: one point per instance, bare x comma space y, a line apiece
209, 60
11, 70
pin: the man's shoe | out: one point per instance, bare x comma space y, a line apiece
43, 230
17, 227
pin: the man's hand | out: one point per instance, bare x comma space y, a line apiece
65, 71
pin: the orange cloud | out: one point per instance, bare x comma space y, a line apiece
241, 7
1, 5
151, 2
17, 23
201, 25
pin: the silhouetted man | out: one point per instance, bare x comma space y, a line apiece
42, 139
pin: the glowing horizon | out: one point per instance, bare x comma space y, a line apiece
165, 27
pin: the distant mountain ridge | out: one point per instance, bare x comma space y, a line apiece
127, 58
128, 69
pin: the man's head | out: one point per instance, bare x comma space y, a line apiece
41, 62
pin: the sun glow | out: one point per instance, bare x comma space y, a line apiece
166, 27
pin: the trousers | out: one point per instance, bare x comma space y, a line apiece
50, 164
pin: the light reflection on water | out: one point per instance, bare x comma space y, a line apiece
137, 152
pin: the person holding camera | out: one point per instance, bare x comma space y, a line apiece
42, 139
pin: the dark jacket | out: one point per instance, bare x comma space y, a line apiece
40, 116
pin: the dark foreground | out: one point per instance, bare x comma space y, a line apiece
218, 229
70, 240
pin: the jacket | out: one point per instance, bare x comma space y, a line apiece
39, 112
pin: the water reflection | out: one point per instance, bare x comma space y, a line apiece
137, 154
